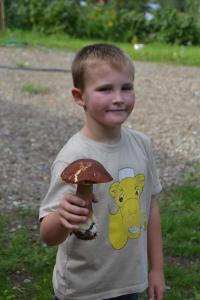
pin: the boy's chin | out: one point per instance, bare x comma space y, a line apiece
116, 122
113, 125
117, 117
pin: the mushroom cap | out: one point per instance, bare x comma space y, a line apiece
85, 171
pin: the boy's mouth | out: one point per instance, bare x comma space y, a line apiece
116, 110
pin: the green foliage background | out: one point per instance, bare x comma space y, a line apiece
115, 21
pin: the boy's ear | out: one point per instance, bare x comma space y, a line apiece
78, 96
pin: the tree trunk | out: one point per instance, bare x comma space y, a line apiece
2, 16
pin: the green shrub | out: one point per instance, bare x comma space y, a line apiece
96, 22
60, 17
37, 9
109, 22
17, 14
176, 28
129, 26
48, 16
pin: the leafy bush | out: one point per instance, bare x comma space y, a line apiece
96, 22
175, 28
37, 9
48, 16
109, 22
60, 17
129, 26
17, 14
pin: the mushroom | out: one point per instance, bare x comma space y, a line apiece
85, 173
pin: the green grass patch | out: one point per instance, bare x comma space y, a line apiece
165, 53
26, 264
194, 175
34, 89
181, 235
181, 221
153, 52
183, 282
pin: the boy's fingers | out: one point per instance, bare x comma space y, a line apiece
73, 199
150, 293
72, 212
155, 295
74, 205
73, 218
70, 221
74, 209
68, 225
159, 294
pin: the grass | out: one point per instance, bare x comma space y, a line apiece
153, 52
183, 207
34, 89
181, 231
26, 263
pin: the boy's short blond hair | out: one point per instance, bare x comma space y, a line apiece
96, 53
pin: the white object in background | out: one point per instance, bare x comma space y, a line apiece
138, 46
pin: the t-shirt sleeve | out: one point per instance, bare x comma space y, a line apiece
56, 191
156, 184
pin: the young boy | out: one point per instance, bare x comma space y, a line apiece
115, 264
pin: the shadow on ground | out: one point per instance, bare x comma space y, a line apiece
29, 142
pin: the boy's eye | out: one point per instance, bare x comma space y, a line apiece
127, 87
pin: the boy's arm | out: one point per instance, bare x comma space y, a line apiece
55, 227
155, 254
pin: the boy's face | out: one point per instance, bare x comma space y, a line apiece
108, 96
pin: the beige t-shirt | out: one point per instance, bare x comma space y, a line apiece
115, 263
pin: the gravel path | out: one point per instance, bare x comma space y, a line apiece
34, 127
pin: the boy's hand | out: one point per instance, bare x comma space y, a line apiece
156, 285
72, 212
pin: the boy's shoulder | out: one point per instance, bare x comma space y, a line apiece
138, 140
138, 136
71, 150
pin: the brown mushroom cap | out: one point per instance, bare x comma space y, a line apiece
85, 171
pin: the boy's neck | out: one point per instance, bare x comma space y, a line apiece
106, 136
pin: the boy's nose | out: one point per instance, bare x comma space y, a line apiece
118, 98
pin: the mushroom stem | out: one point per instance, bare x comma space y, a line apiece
84, 191
87, 231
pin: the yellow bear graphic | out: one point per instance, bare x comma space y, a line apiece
127, 221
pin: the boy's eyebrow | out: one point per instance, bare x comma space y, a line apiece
110, 85
103, 86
